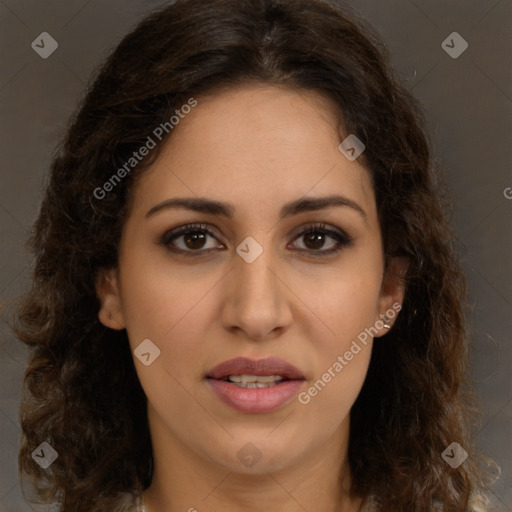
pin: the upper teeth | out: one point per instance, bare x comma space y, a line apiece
261, 379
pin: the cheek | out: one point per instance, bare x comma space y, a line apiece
167, 310
345, 302
161, 302
342, 352
346, 306
326, 403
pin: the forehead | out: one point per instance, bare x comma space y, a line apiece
258, 146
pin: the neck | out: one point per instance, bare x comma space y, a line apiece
183, 480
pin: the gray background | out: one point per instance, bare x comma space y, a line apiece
468, 104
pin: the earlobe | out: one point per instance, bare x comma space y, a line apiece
110, 313
392, 293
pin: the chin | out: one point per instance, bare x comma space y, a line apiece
257, 455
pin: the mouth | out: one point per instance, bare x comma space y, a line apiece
255, 381
255, 385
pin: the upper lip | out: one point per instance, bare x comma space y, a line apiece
261, 367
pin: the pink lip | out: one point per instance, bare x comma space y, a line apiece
262, 367
255, 400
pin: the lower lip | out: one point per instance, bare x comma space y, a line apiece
255, 400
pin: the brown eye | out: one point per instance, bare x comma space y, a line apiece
315, 237
314, 240
189, 240
195, 240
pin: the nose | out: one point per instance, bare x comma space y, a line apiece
257, 298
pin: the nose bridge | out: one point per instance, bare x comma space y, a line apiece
256, 277
257, 301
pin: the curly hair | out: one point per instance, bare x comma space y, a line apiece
415, 400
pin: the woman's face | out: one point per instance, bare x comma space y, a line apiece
247, 285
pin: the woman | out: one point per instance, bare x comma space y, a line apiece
245, 294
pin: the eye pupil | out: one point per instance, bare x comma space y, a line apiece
193, 239
317, 239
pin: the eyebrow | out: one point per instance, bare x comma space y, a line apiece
305, 204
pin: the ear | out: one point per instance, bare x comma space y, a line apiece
392, 293
107, 290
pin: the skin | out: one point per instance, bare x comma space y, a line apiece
257, 147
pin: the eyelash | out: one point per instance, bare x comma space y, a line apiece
340, 237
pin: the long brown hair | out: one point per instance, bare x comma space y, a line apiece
81, 391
